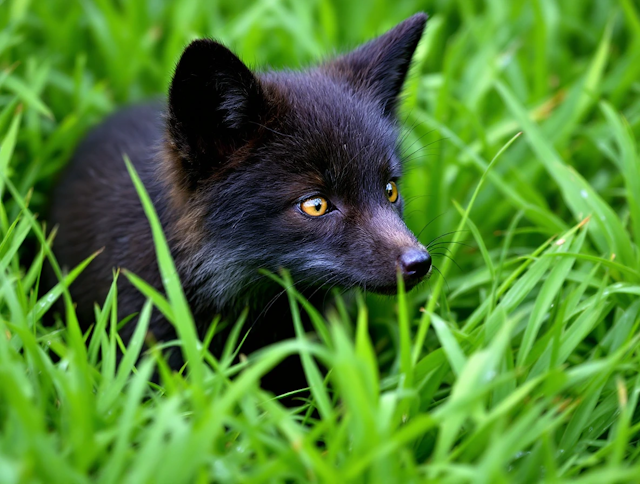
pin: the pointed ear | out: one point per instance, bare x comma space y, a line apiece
215, 106
380, 66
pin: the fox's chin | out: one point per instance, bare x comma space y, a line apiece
392, 289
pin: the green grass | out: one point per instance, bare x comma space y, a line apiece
522, 367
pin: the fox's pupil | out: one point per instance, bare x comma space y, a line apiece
314, 206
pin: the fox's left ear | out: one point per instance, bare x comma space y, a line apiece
380, 66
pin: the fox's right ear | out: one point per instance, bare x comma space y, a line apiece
380, 66
215, 106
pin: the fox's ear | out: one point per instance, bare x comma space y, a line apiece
215, 106
380, 66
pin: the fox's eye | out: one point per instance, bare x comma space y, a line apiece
392, 191
314, 206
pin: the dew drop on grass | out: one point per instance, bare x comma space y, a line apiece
490, 375
584, 193
520, 454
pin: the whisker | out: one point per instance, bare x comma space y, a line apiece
328, 291
327, 286
443, 278
268, 306
408, 162
422, 147
444, 235
441, 248
347, 289
417, 210
273, 300
420, 138
416, 197
451, 242
408, 131
429, 223
450, 258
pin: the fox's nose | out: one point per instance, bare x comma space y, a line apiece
414, 264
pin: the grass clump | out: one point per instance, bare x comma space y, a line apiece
517, 363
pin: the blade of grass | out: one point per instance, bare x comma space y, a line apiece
423, 326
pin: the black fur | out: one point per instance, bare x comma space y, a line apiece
227, 166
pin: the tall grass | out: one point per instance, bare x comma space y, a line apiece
517, 362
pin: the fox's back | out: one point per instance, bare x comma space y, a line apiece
97, 208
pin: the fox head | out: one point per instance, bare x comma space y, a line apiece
295, 170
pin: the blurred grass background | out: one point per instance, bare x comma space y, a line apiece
522, 367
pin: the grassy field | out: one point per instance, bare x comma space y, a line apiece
518, 362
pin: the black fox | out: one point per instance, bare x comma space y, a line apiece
248, 171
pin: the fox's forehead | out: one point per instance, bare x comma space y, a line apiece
341, 135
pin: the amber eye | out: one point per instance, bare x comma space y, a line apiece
392, 191
314, 206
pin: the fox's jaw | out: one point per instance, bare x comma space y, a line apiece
234, 278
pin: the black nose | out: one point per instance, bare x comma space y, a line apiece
414, 264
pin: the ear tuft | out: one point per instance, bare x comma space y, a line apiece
380, 66
215, 104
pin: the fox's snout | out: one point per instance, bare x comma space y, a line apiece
414, 264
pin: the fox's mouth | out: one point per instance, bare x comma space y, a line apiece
414, 265
392, 289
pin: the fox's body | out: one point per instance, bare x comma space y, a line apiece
247, 172
120, 228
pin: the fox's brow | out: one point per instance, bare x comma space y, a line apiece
394, 165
